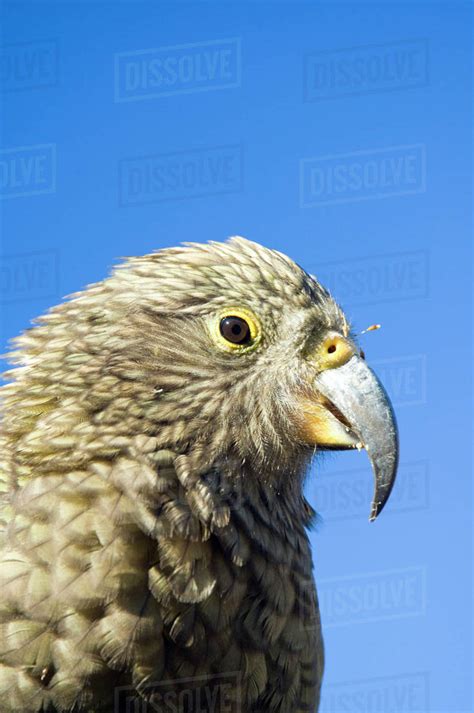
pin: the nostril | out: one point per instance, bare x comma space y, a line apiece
332, 349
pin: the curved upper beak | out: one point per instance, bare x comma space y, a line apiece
357, 399
346, 406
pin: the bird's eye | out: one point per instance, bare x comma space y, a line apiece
235, 329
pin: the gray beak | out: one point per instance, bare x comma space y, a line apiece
360, 398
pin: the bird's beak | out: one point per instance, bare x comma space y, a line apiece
350, 409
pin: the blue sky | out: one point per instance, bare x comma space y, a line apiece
340, 134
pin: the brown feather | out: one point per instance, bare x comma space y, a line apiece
151, 514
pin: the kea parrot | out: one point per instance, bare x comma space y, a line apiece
156, 432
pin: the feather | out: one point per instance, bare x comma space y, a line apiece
153, 528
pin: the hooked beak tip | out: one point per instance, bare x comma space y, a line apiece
360, 397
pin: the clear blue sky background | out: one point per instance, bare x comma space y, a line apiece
382, 89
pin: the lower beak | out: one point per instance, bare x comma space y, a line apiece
358, 414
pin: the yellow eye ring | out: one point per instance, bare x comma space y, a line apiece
236, 329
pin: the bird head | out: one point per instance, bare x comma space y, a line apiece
226, 350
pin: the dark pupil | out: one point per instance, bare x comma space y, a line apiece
235, 330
